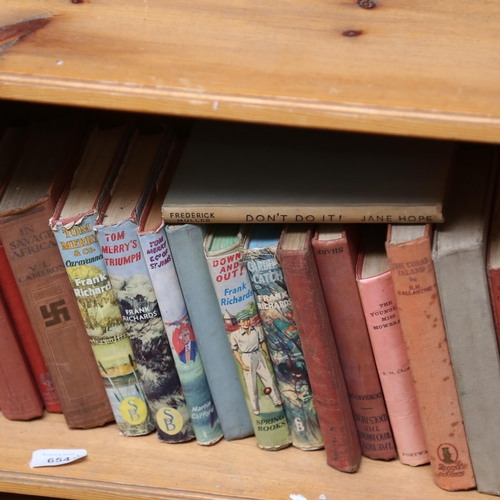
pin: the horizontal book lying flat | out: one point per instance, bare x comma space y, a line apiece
237, 173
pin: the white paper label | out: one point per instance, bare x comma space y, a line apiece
51, 458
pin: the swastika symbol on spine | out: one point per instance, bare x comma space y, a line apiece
55, 313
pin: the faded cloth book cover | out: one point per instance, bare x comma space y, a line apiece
335, 252
459, 254
11, 146
412, 271
281, 333
183, 342
305, 176
73, 225
26, 335
246, 336
384, 328
186, 245
119, 242
493, 260
19, 396
25, 209
295, 253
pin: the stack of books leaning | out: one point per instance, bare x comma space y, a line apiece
321, 290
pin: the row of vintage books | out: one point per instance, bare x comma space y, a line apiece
120, 303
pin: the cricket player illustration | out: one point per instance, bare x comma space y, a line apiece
250, 350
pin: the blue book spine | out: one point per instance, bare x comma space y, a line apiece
134, 291
180, 333
101, 315
186, 245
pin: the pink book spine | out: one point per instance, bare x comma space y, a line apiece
384, 328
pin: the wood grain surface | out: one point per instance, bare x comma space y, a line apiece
429, 68
121, 468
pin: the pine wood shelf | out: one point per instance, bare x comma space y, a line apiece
429, 68
120, 468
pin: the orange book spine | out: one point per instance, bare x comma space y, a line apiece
386, 336
414, 279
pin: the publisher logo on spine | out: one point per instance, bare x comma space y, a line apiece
447, 453
451, 466
133, 410
169, 420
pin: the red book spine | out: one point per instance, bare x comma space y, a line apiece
26, 335
19, 397
494, 284
336, 261
320, 353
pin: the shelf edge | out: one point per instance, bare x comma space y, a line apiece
282, 110
71, 488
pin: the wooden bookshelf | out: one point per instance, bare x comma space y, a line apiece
427, 68
120, 468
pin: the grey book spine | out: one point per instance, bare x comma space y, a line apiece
459, 260
473, 348
186, 245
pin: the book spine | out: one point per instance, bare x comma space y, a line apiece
19, 396
103, 321
234, 292
186, 245
336, 269
493, 276
472, 342
285, 350
51, 305
384, 327
158, 257
137, 301
26, 335
343, 451
235, 213
425, 339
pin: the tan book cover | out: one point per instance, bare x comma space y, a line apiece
254, 173
412, 270
51, 151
